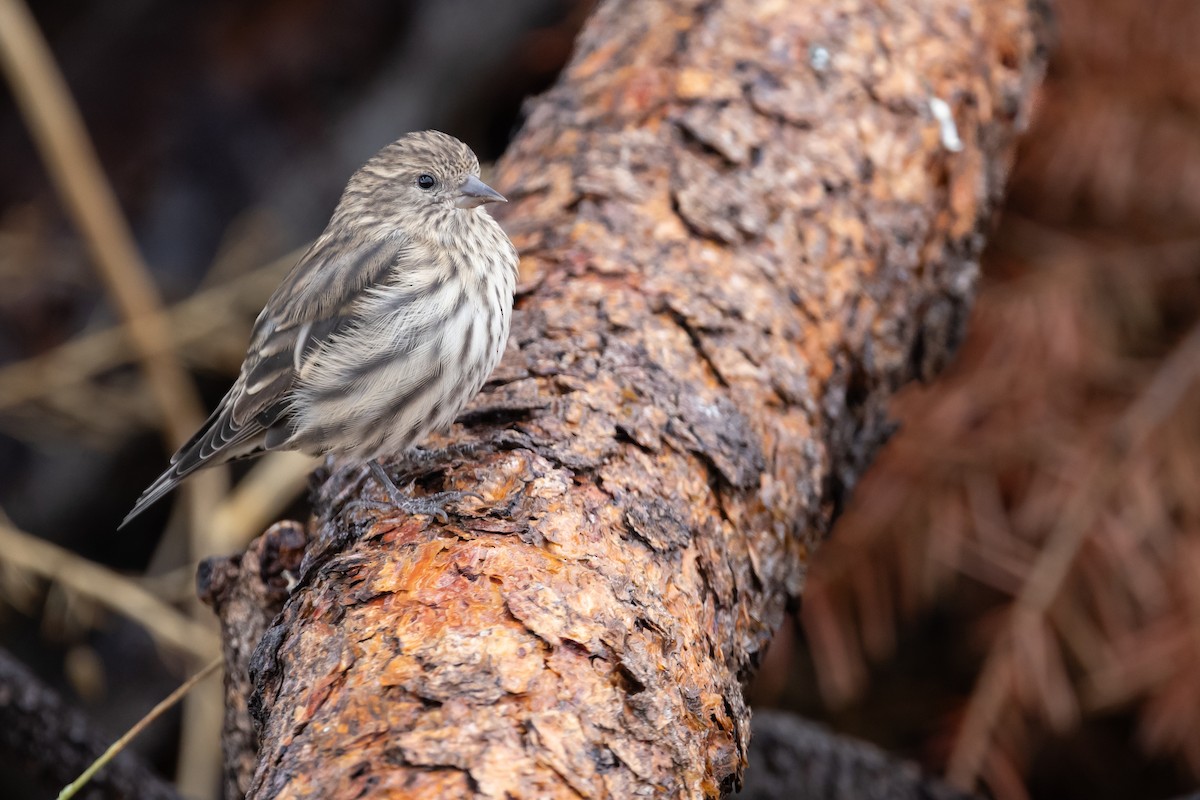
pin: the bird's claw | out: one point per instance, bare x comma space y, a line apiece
433, 505
423, 457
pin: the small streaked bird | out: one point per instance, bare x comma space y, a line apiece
385, 329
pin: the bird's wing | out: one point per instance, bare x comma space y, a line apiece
315, 300
318, 298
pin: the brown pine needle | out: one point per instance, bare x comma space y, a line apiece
120, 744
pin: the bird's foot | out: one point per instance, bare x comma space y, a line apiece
424, 456
433, 504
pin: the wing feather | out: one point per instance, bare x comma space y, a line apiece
318, 298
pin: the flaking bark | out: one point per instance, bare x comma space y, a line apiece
247, 592
741, 230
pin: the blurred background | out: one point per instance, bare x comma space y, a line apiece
1013, 597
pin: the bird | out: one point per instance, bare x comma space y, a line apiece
385, 328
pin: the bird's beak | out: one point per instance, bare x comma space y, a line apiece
475, 192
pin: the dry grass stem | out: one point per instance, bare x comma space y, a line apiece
189, 324
168, 626
270, 486
58, 131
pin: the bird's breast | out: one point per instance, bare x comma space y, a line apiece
421, 347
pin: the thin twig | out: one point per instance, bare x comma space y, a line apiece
120, 744
101, 585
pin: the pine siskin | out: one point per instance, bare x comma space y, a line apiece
385, 329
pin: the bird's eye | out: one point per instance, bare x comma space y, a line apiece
426, 181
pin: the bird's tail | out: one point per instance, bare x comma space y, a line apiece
165, 483
219, 440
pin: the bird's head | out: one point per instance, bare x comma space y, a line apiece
423, 173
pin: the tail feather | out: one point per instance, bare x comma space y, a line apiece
219, 440
165, 483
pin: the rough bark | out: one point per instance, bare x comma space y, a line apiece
247, 592
741, 229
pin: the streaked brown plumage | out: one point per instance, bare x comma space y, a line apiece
384, 330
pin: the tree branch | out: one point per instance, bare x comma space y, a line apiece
743, 225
